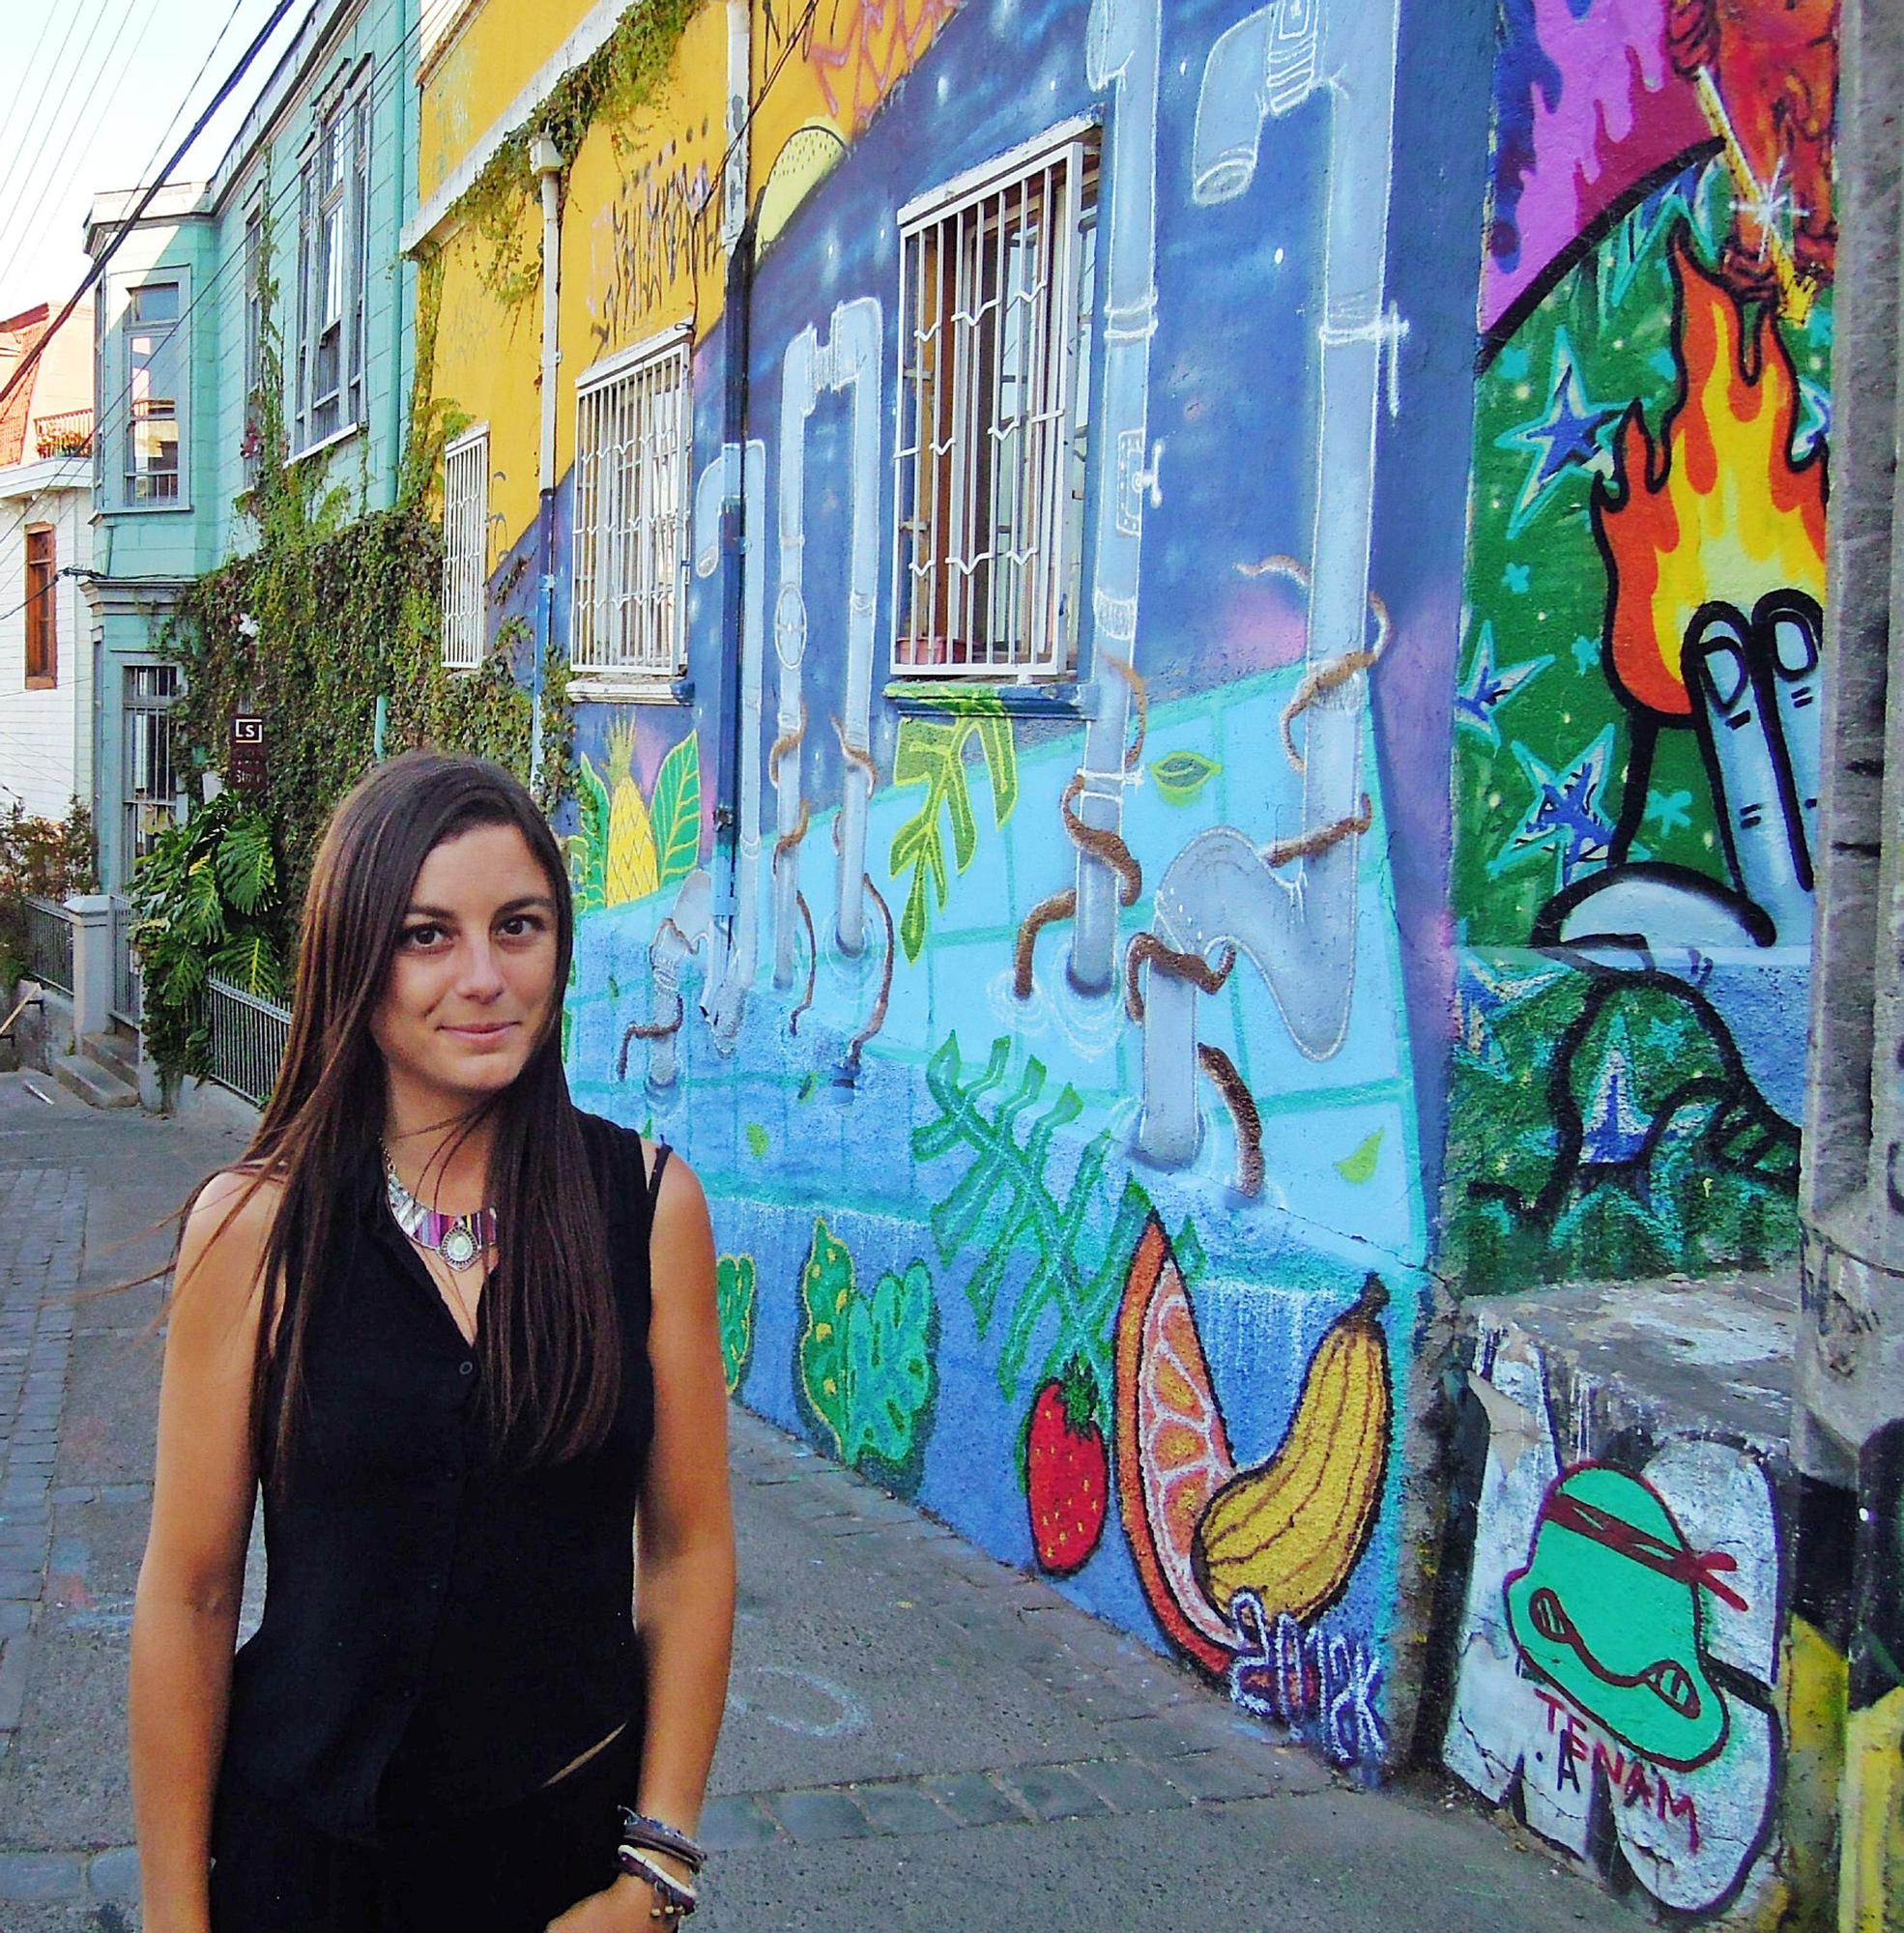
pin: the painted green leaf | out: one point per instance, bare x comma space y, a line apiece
591, 804
757, 1140
889, 1365
1359, 1165
865, 1364
1181, 775
733, 1295
676, 810
826, 1290
933, 754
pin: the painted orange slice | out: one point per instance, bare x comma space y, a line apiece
1172, 1450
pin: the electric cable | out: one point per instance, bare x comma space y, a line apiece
32, 189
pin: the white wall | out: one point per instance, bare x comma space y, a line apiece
47, 737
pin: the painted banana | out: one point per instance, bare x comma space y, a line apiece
1292, 1530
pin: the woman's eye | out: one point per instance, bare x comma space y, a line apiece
524, 925
421, 936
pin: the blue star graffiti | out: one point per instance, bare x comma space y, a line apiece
1568, 819
1569, 436
1488, 686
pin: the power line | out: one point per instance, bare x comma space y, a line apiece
48, 92
226, 88
75, 89
99, 103
391, 73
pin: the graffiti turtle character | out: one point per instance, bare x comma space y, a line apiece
1609, 1609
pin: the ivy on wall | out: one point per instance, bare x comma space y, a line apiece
330, 613
626, 74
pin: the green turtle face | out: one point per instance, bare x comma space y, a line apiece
1608, 1610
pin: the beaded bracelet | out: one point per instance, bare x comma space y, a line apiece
640, 1830
678, 1901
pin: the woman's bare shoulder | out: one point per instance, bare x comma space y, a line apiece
229, 1224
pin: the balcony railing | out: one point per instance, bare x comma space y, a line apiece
248, 1038
49, 944
67, 435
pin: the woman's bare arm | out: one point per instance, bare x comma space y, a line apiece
686, 1582
185, 1617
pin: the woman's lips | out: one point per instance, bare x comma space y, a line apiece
487, 1030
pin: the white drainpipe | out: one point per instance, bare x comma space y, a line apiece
1296, 925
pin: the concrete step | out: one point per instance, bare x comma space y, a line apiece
82, 1076
115, 1051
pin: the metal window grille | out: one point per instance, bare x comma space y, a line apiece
128, 988
150, 781
631, 469
464, 548
248, 1039
49, 944
995, 302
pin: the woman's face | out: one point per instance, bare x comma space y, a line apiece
474, 975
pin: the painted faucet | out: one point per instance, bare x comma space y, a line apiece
1222, 895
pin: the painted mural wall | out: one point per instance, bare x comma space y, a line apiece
1647, 1673
1064, 1062
1636, 745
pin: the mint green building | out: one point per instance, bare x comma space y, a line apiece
310, 198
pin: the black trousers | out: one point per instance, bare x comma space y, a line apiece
510, 1870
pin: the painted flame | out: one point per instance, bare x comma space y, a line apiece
1718, 509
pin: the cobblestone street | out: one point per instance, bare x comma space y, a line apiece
917, 1736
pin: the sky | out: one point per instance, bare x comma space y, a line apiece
94, 95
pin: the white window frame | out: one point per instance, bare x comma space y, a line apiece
627, 576
987, 554
466, 549
113, 443
328, 394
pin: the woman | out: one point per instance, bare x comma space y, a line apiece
463, 1334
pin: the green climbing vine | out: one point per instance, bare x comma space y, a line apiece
329, 620
628, 71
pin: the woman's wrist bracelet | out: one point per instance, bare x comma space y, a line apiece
677, 1899
655, 1835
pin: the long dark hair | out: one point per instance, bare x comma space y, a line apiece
550, 1338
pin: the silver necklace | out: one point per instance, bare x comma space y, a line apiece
459, 1239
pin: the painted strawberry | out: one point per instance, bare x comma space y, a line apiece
1067, 1472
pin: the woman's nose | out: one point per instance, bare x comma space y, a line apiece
481, 977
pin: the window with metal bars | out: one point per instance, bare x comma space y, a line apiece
996, 278
151, 790
632, 431
42, 661
464, 548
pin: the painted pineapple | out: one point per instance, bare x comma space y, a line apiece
632, 873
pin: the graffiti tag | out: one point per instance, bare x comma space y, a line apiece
1316, 1681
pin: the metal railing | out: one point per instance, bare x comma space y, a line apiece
49, 944
70, 434
128, 992
248, 1038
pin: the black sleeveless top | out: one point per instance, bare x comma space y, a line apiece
441, 1636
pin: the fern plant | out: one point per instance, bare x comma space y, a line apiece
204, 903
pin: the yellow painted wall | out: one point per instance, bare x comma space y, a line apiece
641, 236
482, 73
640, 231
1872, 1895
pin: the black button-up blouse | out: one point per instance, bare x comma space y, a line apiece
441, 1636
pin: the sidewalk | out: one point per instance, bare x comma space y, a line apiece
918, 1737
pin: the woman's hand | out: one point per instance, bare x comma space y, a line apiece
624, 1907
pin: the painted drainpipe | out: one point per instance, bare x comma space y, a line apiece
545, 158
1219, 893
